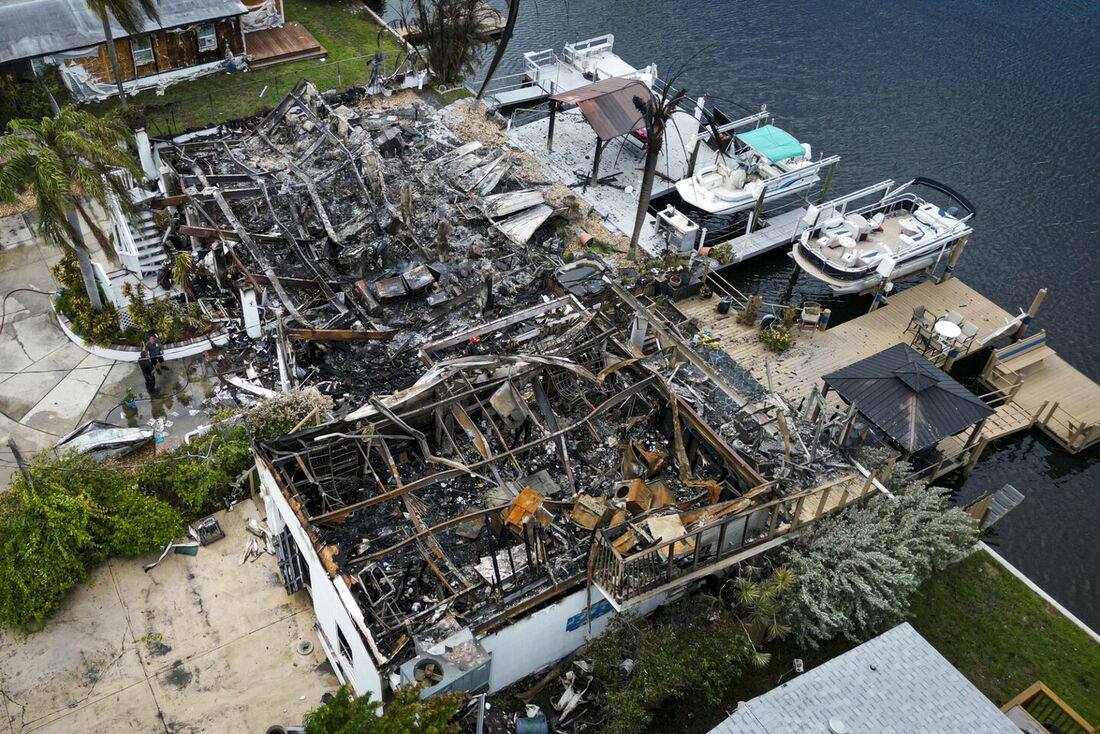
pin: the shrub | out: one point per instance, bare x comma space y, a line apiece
857, 570
345, 713
74, 514
100, 328
777, 338
277, 415
693, 648
723, 253
171, 321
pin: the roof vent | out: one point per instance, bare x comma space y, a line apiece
836, 726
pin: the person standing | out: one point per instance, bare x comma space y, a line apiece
156, 355
145, 362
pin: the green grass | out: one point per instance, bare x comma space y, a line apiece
1004, 637
342, 27
1001, 635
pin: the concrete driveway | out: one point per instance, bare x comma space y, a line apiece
49, 386
198, 644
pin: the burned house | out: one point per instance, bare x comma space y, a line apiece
455, 532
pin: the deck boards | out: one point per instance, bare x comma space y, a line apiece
815, 354
290, 42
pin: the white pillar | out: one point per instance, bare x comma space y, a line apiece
145, 154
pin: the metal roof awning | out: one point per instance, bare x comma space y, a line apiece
608, 105
915, 403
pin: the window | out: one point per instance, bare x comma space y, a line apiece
142, 50
208, 39
345, 648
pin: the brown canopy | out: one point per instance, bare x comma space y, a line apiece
608, 105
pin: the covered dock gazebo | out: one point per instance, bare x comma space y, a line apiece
913, 402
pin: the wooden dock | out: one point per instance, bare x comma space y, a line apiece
1048, 393
781, 230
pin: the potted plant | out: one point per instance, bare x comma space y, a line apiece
131, 399
705, 291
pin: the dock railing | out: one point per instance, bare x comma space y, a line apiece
573, 53
1045, 708
1065, 426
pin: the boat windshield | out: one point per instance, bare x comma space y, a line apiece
772, 143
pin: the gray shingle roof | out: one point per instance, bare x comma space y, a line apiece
31, 28
894, 684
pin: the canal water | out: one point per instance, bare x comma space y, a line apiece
999, 100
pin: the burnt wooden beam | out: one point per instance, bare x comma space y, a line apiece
339, 335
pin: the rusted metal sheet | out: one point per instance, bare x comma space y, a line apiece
339, 335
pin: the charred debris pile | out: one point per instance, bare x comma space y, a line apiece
362, 234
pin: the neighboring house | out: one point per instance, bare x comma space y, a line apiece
896, 683
193, 38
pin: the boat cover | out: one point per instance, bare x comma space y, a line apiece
771, 142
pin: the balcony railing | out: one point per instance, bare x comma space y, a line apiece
1038, 705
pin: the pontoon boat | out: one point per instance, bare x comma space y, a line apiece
900, 234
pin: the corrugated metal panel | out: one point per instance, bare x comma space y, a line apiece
914, 402
32, 28
608, 105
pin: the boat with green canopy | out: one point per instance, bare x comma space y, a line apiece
766, 160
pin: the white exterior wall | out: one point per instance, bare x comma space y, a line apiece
538, 640
328, 606
525, 646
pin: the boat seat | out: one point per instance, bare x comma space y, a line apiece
859, 225
849, 258
871, 257
877, 220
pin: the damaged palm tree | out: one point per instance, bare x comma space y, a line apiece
451, 35
655, 113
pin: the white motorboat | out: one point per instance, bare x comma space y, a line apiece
900, 234
766, 159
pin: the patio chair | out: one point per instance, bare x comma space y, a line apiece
924, 340
920, 318
969, 333
811, 316
954, 317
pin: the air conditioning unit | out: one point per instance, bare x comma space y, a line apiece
674, 227
448, 658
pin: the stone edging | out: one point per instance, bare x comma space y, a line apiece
126, 353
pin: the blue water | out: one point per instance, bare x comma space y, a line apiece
999, 99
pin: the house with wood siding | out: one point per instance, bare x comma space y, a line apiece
191, 39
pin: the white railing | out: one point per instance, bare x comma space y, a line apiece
575, 52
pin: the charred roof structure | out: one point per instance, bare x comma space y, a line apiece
524, 491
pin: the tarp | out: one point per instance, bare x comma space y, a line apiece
772, 143
608, 105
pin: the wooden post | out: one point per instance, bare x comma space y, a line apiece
550, 130
952, 355
828, 182
757, 210
596, 163
823, 322
694, 156
15, 452
974, 434
975, 454
954, 259
1031, 311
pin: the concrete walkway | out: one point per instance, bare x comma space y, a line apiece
48, 385
199, 644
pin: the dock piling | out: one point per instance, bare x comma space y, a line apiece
1033, 309
952, 261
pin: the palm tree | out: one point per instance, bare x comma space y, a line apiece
66, 158
655, 113
128, 14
